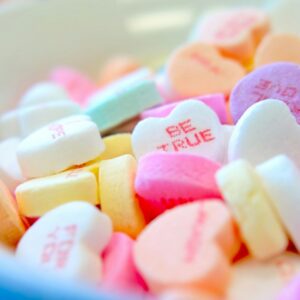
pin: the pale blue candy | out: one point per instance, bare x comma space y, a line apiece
122, 101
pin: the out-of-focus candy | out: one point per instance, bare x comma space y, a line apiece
165, 180
199, 69
119, 271
117, 67
78, 86
235, 32
58, 146
10, 172
184, 248
257, 280
36, 197
274, 81
10, 125
281, 179
122, 101
67, 241
215, 101
191, 127
278, 47
291, 291
265, 130
43, 92
11, 225
188, 294
117, 195
260, 227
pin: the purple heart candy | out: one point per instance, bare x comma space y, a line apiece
279, 81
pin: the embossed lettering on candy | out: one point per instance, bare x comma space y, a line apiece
192, 127
274, 81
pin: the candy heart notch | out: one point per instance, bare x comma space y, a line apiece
192, 127
67, 241
265, 130
199, 69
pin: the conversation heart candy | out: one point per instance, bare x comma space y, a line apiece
274, 81
165, 180
36, 116
215, 101
191, 127
235, 32
252, 279
67, 242
183, 248
262, 132
259, 225
119, 271
122, 100
78, 86
11, 225
10, 125
43, 92
10, 172
117, 67
198, 69
281, 179
117, 195
37, 196
291, 291
114, 145
278, 47
58, 146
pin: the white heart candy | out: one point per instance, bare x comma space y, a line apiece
265, 130
68, 241
192, 127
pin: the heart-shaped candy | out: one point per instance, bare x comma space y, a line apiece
278, 47
274, 81
199, 69
192, 127
265, 130
67, 241
235, 32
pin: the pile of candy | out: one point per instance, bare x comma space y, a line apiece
183, 197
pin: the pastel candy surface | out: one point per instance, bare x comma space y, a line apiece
192, 127
67, 242
199, 69
291, 291
188, 294
252, 279
165, 180
78, 86
58, 146
117, 195
11, 225
117, 67
265, 130
274, 81
259, 225
182, 248
43, 92
36, 116
122, 101
114, 145
10, 172
119, 271
281, 179
215, 101
10, 125
37, 196
278, 47
235, 32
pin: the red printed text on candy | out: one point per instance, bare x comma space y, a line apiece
196, 236
184, 135
57, 131
205, 62
58, 246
